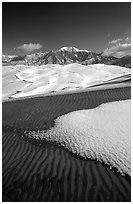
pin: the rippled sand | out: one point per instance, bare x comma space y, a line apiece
40, 171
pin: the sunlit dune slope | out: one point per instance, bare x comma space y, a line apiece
102, 133
20, 80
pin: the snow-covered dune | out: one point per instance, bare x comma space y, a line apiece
20, 80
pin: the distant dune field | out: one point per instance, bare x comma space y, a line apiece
22, 81
35, 170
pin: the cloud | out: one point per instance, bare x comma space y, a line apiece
119, 50
29, 47
115, 41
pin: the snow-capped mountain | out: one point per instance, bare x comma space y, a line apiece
72, 49
7, 58
65, 55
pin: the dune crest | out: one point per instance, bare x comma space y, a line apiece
102, 134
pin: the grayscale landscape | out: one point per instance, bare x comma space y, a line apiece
66, 102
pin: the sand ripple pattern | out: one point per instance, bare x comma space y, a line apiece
40, 172
34, 173
40, 112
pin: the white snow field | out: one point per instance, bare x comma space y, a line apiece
102, 134
21, 80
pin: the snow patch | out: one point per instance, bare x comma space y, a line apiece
72, 49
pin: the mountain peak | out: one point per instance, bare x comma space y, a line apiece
72, 49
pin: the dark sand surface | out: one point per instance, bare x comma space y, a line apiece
42, 171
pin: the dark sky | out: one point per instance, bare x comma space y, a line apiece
54, 25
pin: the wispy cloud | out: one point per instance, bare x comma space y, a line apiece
119, 47
119, 50
29, 47
115, 41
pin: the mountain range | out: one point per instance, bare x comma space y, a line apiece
66, 55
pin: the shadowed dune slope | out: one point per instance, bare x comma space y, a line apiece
49, 173
39, 112
42, 171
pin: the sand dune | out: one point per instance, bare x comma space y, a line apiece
40, 171
102, 134
34, 173
20, 81
40, 112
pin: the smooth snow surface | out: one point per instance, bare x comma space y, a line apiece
102, 134
71, 49
21, 80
